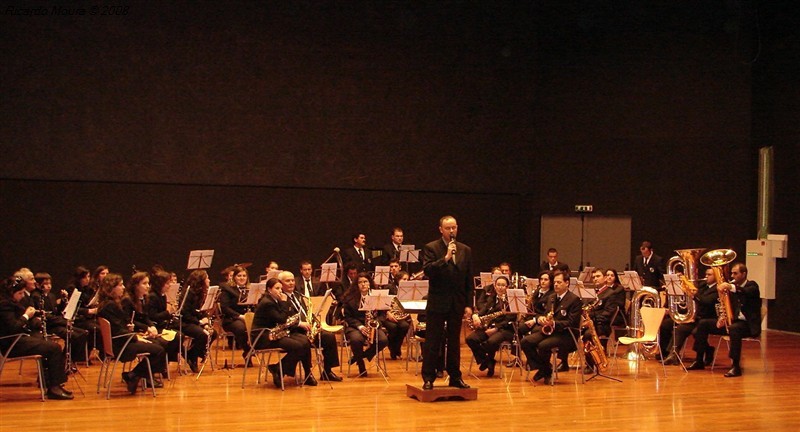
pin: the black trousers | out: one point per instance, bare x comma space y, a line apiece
297, 347
442, 328
397, 332
737, 330
155, 351
537, 347
330, 352
484, 347
52, 357
239, 331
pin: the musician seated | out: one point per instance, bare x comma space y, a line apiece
112, 291
53, 320
194, 322
487, 292
326, 340
564, 315
706, 301
160, 312
396, 328
610, 300
86, 316
365, 337
273, 312
538, 303
231, 294
485, 340
745, 304
134, 303
15, 319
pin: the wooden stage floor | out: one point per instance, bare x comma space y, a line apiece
698, 400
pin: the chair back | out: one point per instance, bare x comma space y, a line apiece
651, 319
248, 325
105, 333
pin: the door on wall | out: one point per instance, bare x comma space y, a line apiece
606, 240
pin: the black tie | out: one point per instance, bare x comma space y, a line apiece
308, 287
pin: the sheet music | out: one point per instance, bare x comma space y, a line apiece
380, 301
516, 300
409, 255
211, 298
172, 292
381, 276
575, 285
412, 290
586, 274
630, 280
254, 293
328, 273
486, 279
72, 305
532, 284
673, 284
200, 259
587, 293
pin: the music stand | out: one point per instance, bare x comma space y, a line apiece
630, 280
381, 275
69, 315
516, 304
200, 259
376, 303
674, 288
586, 274
209, 304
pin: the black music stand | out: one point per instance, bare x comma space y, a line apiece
517, 305
374, 304
69, 315
209, 304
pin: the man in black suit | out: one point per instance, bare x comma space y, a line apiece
306, 284
358, 253
566, 309
325, 340
448, 266
745, 298
649, 266
705, 308
552, 263
391, 250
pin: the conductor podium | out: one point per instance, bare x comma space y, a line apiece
441, 393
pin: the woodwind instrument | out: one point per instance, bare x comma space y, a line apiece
316, 325
372, 325
282, 330
593, 347
549, 325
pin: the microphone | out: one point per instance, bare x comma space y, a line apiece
453, 241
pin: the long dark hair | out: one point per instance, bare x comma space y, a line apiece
106, 287
130, 290
196, 284
353, 292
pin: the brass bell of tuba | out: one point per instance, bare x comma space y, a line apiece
718, 260
682, 309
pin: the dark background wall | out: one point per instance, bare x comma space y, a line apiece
274, 130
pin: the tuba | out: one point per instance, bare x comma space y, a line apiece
718, 260
682, 308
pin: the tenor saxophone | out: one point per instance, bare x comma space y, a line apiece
280, 331
316, 325
372, 325
593, 347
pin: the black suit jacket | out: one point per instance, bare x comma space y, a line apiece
653, 274
389, 252
450, 286
559, 266
316, 288
566, 313
748, 298
608, 302
350, 255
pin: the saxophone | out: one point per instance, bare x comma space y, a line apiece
372, 325
485, 320
316, 325
280, 331
593, 347
550, 325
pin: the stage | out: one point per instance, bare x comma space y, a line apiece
698, 400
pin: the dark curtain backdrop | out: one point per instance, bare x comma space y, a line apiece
273, 130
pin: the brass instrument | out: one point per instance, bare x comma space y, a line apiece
645, 297
372, 325
418, 275
485, 320
398, 311
280, 331
528, 304
593, 347
687, 259
549, 325
314, 321
718, 260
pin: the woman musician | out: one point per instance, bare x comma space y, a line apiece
195, 323
134, 303
85, 317
484, 341
610, 299
112, 291
232, 311
538, 302
357, 325
272, 311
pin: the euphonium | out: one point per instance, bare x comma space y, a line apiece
687, 259
718, 260
398, 311
645, 297
593, 347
